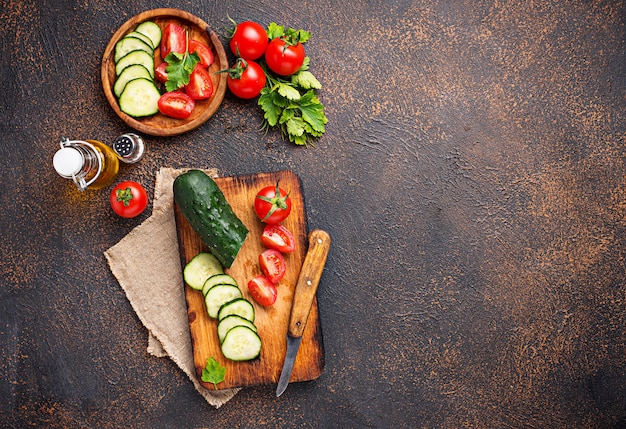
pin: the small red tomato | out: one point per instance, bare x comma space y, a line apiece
246, 79
248, 41
200, 85
176, 104
159, 73
263, 291
173, 39
284, 58
272, 204
279, 238
272, 265
128, 199
204, 52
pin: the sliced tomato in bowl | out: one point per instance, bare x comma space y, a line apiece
176, 104
174, 39
278, 237
200, 86
204, 52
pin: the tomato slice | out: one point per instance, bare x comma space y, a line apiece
200, 85
176, 104
160, 74
279, 238
273, 265
262, 291
173, 40
204, 52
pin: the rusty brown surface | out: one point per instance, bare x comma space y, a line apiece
472, 177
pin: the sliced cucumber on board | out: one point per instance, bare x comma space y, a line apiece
200, 268
217, 279
229, 322
241, 343
240, 306
219, 295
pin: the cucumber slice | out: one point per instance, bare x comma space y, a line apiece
219, 295
135, 57
241, 343
142, 37
201, 267
135, 71
129, 44
140, 98
229, 322
239, 306
217, 279
151, 30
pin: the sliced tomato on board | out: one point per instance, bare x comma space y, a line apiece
273, 265
278, 237
176, 104
200, 85
262, 291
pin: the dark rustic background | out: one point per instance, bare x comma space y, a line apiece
472, 176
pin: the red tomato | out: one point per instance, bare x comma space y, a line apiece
263, 291
176, 104
283, 58
204, 52
279, 238
246, 79
200, 85
272, 204
160, 74
248, 41
128, 199
173, 39
273, 265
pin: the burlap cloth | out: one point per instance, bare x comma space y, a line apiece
147, 266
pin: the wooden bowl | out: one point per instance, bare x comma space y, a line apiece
161, 125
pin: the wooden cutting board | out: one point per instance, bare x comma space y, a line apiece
270, 321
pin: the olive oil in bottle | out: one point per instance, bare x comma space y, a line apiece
89, 163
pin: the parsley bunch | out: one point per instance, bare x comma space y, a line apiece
290, 103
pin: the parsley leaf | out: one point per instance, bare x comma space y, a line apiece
179, 68
213, 372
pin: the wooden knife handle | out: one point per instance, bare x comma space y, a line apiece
310, 274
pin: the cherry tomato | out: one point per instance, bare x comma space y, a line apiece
200, 85
128, 199
246, 79
283, 58
174, 39
273, 265
176, 104
272, 204
204, 52
279, 238
262, 291
248, 41
160, 74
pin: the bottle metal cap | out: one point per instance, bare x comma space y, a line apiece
68, 161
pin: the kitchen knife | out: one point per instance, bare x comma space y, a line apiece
312, 268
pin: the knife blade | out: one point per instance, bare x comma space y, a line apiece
306, 287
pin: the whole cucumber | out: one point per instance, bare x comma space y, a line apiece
204, 206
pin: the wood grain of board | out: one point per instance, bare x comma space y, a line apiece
271, 321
